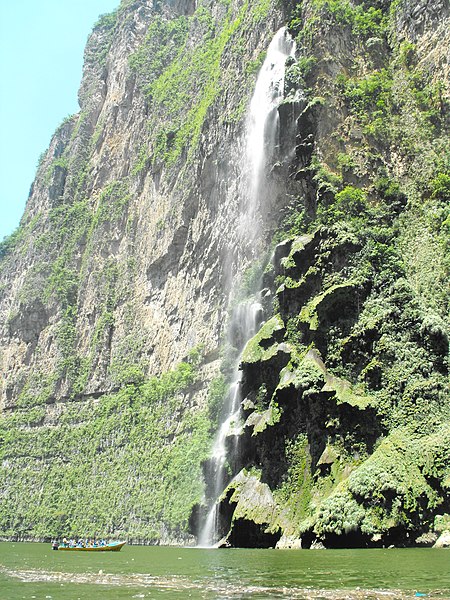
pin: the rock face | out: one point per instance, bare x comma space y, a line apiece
115, 289
345, 420
443, 541
122, 269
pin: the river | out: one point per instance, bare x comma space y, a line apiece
34, 571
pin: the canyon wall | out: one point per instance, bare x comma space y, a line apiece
116, 290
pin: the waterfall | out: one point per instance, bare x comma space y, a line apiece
261, 134
245, 321
262, 130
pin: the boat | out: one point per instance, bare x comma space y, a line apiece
111, 547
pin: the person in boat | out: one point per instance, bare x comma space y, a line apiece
64, 542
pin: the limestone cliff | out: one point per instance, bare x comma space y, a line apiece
121, 271
115, 290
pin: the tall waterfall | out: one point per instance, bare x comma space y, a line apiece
262, 130
261, 134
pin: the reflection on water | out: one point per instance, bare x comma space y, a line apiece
33, 571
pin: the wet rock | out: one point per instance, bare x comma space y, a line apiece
426, 540
253, 521
289, 542
443, 540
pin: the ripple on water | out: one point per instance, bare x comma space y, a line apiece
221, 589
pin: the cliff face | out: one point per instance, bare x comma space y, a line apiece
346, 434
121, 271
115, 289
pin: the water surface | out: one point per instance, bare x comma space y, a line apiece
29, 571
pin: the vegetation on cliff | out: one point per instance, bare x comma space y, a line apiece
105, 429
125, 464
358, 453
92, 284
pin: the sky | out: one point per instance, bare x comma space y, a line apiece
41, 57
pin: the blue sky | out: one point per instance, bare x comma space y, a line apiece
41, 57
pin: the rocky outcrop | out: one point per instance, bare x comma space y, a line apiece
252, 507
443, 540
341, 418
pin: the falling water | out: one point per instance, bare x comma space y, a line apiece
262, 130
261, 138
245, 321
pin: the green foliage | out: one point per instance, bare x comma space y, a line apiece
442, 523
106, 21
36, 392
57, 163
350, 202
370, 99
69, 225
295, 492
183, 80
73, 231
10, 242
216, 396
122, 465
339, 514
407, 54
363, 19
163, 42
397, 479
250, 282
192, 79
253, 67
327, 182
293, 225
391, 193
141, 161
63, 282
440, 187
260, 10
101, 39
113, 201
297, 73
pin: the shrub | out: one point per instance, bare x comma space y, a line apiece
440, 187
390, 191
9, 243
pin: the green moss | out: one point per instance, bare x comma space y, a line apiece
310, 313
254, 351
295, 493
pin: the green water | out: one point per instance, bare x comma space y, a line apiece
35, 571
